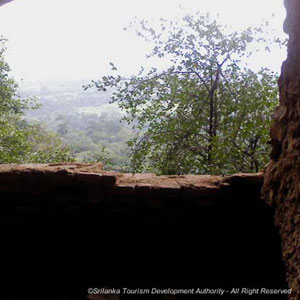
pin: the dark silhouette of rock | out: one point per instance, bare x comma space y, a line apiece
71, 227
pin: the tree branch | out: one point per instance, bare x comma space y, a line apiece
198, 75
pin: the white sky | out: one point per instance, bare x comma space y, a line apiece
76, 39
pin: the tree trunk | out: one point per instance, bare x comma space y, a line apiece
211, 125
282, 178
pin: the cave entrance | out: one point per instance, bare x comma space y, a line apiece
222, 242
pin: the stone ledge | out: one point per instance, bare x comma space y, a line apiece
40, 179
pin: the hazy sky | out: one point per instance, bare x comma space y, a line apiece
76, 39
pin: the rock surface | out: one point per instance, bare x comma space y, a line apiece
89, 182
282, 180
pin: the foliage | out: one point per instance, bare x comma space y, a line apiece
103, 155
84, 120
21, 142
30, 143
207, 113
97, 138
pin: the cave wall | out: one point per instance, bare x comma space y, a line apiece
282, 179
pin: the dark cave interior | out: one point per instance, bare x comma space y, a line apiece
194, 239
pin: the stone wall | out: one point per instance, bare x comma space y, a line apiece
34, 190
69, 227
282, 181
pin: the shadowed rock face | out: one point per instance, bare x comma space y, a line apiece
70, 227
282, 179
70, 187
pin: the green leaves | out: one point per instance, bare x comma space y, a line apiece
21, 142
207, 113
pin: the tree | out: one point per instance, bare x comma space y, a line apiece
207, 112
103, 155
21, 142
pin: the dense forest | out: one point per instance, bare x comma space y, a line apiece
204, 112
84, 120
